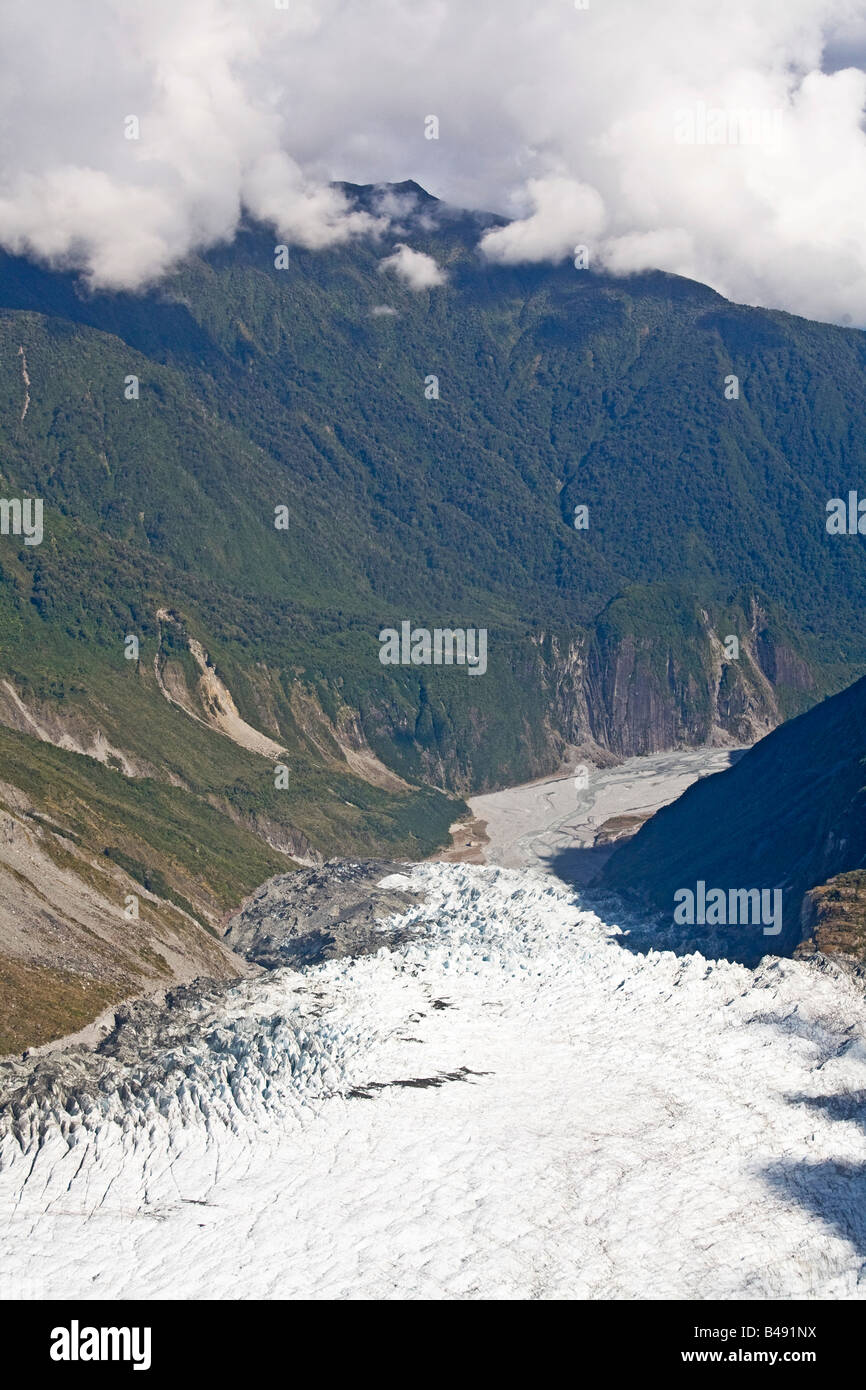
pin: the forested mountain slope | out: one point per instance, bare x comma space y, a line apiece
283, 479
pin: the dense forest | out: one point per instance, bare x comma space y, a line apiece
308, 389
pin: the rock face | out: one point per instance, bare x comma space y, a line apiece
639, 685
834, 916
653, 674
322, 914
789, 815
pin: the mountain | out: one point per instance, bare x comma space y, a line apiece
249, 472
790, 814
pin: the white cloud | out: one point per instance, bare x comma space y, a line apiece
561, 117
671, 249
564, 214
316, 216
416, 269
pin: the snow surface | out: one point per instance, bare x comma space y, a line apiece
510, 1104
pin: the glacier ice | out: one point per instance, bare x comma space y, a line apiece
503, 1103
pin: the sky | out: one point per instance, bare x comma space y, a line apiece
725, 142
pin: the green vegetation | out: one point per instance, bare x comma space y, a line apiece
38, 1004
261, 388
138, 822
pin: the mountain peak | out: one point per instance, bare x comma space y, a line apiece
410, 186
368, 193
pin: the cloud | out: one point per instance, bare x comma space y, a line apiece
671, 249
131, 137
275, 191
414, 268
564, 214
569, 121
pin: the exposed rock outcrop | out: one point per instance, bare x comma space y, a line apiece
318, 914
834, 917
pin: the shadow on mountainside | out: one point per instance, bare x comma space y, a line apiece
579, 867
642, 931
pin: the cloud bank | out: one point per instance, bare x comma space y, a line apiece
721, 142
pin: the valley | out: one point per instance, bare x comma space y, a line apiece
432, 674
559, 827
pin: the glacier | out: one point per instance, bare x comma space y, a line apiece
507, 1100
